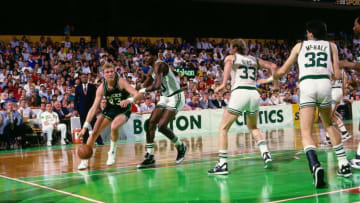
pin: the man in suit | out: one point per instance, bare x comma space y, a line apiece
217, 101
84, 98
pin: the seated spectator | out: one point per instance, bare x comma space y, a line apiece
287, 99
135, 107
275, 98
264, 100
11, 97
194, 103
295, 97
42, 110
61, 111
205, 102
49, 122
147, 106
226, 97
11, 124
145, 68
217, 101
25, 111
32, 102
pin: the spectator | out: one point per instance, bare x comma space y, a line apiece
11, 97
287, 99
217, 101
205, 102
25, 111
62, 112
194, 103
10, 124
84, 98
264, 100
275, 98
50, 122
147, 106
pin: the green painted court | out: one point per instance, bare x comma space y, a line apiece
288, 180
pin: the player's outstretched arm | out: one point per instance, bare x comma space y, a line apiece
349, 65
272, 67
93, 109
132, 91
288, 63
149, 80
159, 70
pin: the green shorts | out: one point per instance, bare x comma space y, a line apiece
111, 111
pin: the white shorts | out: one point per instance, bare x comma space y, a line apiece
244, 100
336, 95
174, 103
315, 92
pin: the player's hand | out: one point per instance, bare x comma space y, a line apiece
218, 89
82, 132
262, 81
124, 103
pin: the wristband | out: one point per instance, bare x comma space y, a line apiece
88, 126
270, 79
131, 100
142, 90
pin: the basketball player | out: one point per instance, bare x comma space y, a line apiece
317, 60
337, 94
172, 100
116, 112
355, 163
244, 98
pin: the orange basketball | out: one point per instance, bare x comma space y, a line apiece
85, 151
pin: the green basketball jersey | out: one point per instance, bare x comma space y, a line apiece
114, 96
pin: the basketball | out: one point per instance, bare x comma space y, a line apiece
85, 151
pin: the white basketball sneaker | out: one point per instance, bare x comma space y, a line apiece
84, 164
111, 158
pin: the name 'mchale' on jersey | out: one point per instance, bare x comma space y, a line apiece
315, 59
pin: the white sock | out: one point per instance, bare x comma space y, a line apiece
342, 127
327, 135
358, 150
262, 146
341, 155
223, 156
150, 148
112, 146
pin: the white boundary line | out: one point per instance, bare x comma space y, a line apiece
52, 189
314, 195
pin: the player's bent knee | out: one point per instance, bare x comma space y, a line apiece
162, 127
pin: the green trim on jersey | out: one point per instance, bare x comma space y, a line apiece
244, 87
315, 77
176, 92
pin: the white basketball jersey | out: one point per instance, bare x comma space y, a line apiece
314, 59
169, 82
243, 71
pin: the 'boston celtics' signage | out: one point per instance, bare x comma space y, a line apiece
207, 121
